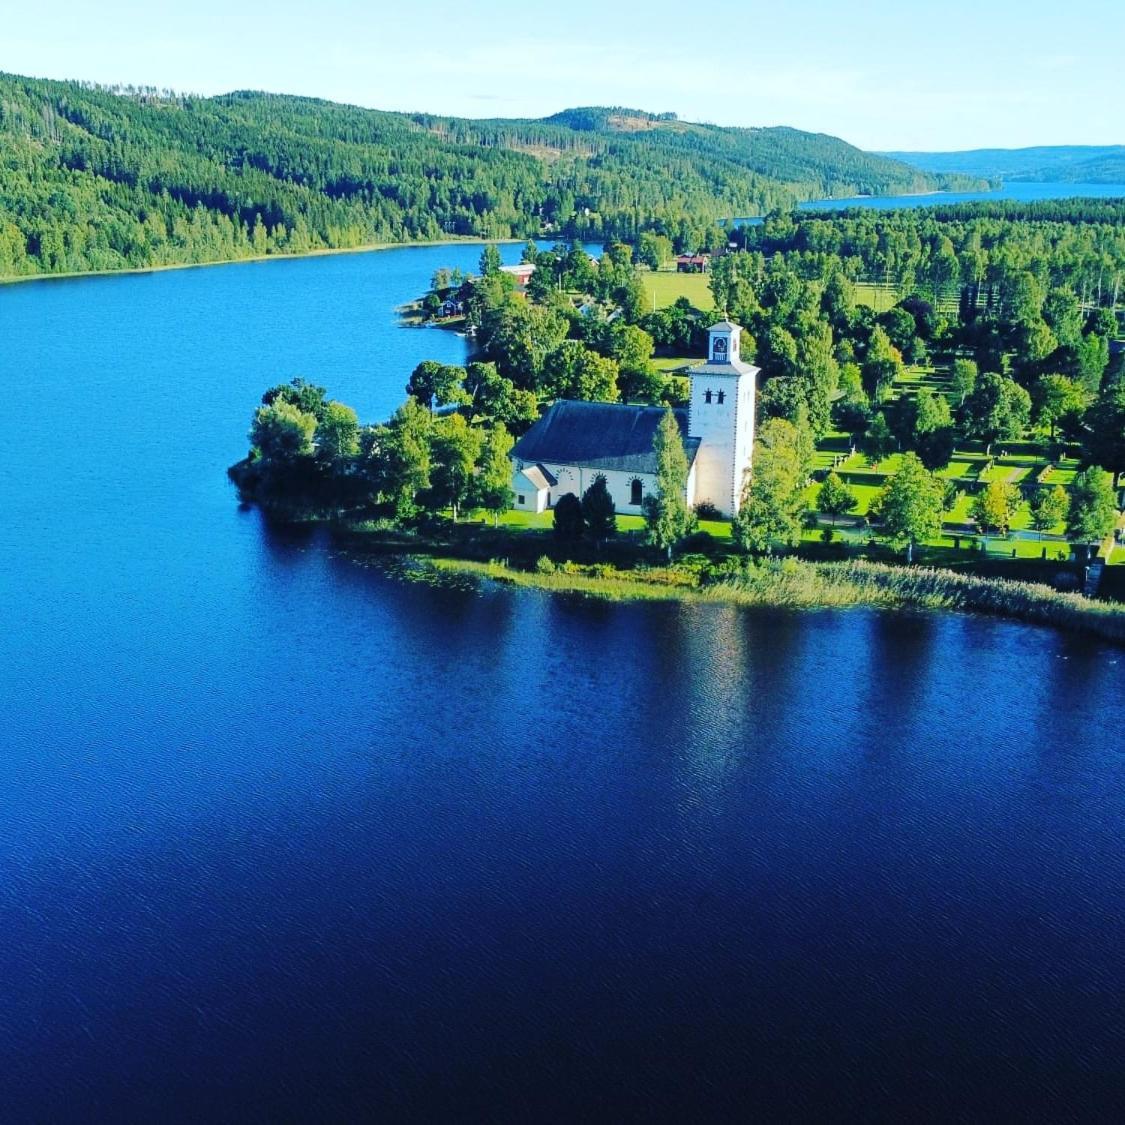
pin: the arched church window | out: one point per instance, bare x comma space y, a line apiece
636, 493
721, 350
722, 395
707, 397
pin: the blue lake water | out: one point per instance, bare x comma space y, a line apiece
284, 839
1018, 192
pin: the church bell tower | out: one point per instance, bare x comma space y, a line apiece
721, 415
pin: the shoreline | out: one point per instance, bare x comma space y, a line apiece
789, 583
324, 252
367, 248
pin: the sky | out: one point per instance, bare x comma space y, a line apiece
911, 75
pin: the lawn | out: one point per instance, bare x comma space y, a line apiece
672, 364
665, 287
545, 521
876, 295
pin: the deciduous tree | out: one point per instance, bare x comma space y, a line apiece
337, 433
401, 457
281, 432
910, 505
933, 437
998, 408
994, 508
1093, 506
964, 378
490, 261
773, 492
1105, 443
878, 443
455, 448
1053, 397
835, 498
493, 486
1049, 507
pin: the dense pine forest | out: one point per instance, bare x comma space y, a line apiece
95, 179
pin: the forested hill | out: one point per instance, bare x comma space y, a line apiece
1068, 164
97, 179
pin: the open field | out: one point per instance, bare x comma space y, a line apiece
665, 287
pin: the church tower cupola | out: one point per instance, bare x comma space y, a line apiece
723, 342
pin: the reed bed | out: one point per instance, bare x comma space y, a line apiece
796, 584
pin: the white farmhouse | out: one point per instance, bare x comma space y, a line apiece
575, 441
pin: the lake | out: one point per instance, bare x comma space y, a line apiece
283, 838
1017, 192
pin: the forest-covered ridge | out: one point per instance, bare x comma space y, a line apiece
1071, 164
95, 178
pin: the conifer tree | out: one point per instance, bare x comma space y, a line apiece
599, 510
667, 515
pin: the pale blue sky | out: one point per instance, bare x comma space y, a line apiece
960, 74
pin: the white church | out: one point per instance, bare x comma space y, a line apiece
575, 441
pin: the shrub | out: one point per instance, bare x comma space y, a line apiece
705, 510
569, 521
544, 565
698, 542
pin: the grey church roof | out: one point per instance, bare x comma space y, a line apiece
599, 435
737, 367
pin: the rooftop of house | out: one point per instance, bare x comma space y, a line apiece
599, 435
539, 476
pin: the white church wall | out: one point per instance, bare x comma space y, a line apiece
576, 479
713, 423
744, 435
526, 496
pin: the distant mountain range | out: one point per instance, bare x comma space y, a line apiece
97, 178
1071, 164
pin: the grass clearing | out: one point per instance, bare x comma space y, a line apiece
673, 364
665, 287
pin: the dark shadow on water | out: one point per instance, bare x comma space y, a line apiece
287, 542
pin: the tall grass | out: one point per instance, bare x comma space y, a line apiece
804, 585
